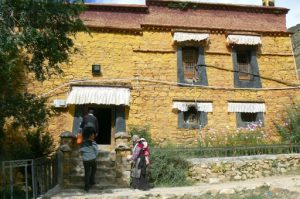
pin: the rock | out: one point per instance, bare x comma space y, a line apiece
227, 191
283, 170
213, 180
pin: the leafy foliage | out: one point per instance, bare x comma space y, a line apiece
27, 144
142, 132
290, 129
168, 169
36, 36
40, 143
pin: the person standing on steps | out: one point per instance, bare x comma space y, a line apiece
89, 152
89, 125
89, 148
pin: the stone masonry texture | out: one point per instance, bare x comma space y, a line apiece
148, 63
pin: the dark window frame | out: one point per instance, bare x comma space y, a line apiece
201, 75
202, 120
254, 81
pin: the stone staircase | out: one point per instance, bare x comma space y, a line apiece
106, 174
113, 169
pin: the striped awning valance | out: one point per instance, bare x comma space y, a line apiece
243, 39
99, 95
200, 106
246, 107
186, 36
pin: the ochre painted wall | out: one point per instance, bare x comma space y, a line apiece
149, 63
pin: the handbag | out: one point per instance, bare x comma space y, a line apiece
79, 138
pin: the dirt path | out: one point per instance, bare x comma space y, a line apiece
290, 185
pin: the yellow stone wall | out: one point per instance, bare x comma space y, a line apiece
149, 63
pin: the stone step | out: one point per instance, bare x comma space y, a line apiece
99, 158
105, 162
76, 179
99, 173
98, 186
100, 167
101, 153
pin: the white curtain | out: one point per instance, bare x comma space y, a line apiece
246, 107
99, 95
185, 36
200, 106
243, 39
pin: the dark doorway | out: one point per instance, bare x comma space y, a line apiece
104, 118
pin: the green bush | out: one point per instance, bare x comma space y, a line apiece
28, 145
289, 131
41, 143
142, 132
168, 169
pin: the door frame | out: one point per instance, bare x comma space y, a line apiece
113, 118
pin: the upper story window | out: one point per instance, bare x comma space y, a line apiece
189, 60
244, 65
245, 61
191, 67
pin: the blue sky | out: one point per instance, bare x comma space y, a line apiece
293, 16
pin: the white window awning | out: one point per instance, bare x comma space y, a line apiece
246, 107
200, 106
186, 36
243, 39
99, 95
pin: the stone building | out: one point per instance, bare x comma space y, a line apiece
179, 68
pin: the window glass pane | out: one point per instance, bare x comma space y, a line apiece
244, 66
249, 117
189, 58
191, 116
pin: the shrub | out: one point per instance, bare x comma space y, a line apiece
40, 143
28, 145
142, 132
289, 131
168, 169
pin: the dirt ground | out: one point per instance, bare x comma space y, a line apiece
275, 187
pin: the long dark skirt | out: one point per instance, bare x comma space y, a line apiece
139, 177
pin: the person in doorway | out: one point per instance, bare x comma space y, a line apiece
89, 152
89, 125
140, 162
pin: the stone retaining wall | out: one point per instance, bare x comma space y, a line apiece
214, 170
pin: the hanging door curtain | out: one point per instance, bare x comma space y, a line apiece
200, 106
99, 95
243, 40
185, 36
246, 107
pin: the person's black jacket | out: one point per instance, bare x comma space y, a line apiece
90, 121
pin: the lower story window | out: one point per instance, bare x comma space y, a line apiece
192, 115
246, 119
192, 119
248, 113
